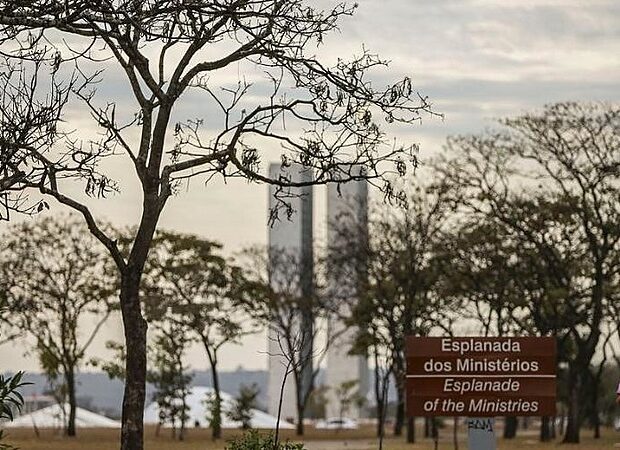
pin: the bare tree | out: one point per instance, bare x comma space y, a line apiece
328, 117
60, 286
278, 303
30, 110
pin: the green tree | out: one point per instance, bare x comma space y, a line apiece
162, 50
347, 394
196, 288
60, 288
214, 413
317, 403
245, 402
253, 440
169, 376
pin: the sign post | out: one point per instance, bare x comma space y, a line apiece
481, 434
481, 378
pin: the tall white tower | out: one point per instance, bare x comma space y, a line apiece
294, 237
347, 217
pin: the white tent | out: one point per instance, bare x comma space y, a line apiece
198, 412
54, 417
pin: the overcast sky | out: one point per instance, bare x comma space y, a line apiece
477, 60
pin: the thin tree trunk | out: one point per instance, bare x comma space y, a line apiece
400, 410
596, 422
571, 434
427, 427
545, 429
300, 420
411, 430
216, 433
132, 431
510, 427
380, 412
380, 385
455, 427
70, 380
384, 393
280, 400
399, 420
183, 419
216, 425
597, 425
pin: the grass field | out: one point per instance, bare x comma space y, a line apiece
362, 439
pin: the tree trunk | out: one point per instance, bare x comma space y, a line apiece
70, 380
216, 424
435, 433
400, 410
381, 385
183, 419
411, 430
380, 413
545, 429
597, 425
216, 432
571, 434
300, 421
596, 422
455, 437
399, 421
510, 427
132, 431
427, 427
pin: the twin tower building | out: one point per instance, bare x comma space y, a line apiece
347, 205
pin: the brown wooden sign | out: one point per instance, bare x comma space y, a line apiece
481, 377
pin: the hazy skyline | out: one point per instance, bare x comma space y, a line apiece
476, 60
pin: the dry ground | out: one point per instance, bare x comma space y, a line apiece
363, 439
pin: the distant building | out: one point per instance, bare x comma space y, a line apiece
347, 227
347, 206
293, 236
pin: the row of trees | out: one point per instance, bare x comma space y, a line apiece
326, 115
518, 231
60, 288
